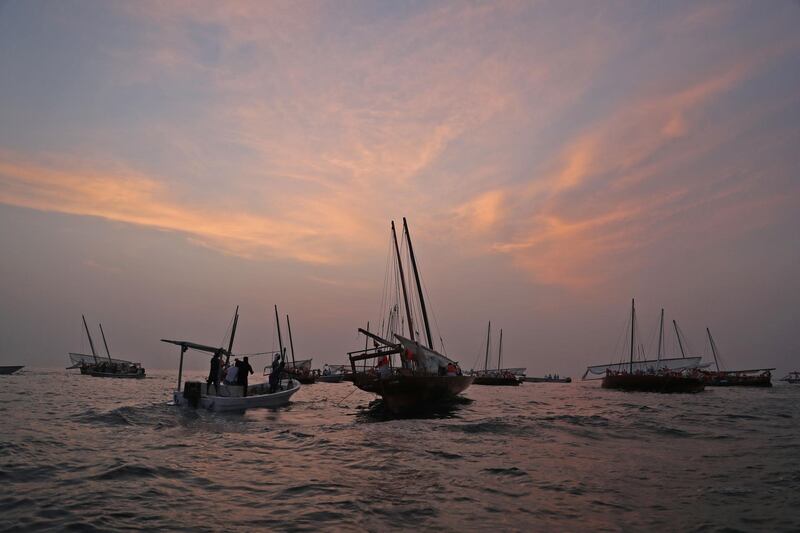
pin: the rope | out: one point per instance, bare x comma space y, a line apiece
338, 404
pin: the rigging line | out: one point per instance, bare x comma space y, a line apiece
338, 404
430, 306
478, 355
227, 331
623, 335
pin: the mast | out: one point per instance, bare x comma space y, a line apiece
500, 353
678, 334
278, 325
419, 286
105, 343
713, 348
91, 343
291, 343
633, 330
660, 337
403, 283
233, 334
488, 342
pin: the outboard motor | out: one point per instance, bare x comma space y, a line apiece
192, 390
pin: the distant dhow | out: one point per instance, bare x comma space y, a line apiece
499, 376
103, 367
651, 379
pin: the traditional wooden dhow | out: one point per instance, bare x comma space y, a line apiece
757, 377
104, 367
498, 377
408, 375
653, 380
8, 370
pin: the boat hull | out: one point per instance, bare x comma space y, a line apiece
331, 379
305, 379
725, 379
239, 403
403, 393
496, 381
547, 380
662, 383
6, 370
88, 371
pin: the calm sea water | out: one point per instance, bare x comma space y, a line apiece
98, 454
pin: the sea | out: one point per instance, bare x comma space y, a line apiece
79, 453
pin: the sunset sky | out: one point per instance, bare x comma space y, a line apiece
163, 162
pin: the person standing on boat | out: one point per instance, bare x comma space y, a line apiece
244, 372
275, 375
213, 374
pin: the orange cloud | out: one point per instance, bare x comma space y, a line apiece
314, 232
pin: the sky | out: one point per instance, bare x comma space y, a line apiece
163, 162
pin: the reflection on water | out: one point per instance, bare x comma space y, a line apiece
82, 452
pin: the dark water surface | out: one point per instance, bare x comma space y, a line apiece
86, 453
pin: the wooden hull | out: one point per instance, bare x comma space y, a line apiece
338, 378
725, 379
547, 380
305, 379
662, 383
89, 371
496, 381
404, 393
6, 370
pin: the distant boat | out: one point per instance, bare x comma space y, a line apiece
791, 377
656, 379
547, 379
7, 370
299, 370
499, 376
104, 367
331, 374
669, 364
758, 377
227, 397
424, 376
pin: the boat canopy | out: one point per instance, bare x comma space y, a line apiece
79, 359
304, 364
676, 363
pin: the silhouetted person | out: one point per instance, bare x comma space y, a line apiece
244, 372
275, 375
213, 374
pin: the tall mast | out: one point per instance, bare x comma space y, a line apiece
280, 339
233, 334
713, 348
291, 343
488, 343
105, 343
500, 352
633, 330
403, 283
678, 334
91, 343
419, 286
660, 337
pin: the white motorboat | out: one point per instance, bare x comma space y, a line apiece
225, 397
229, 397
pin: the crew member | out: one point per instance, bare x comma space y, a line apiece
213, 374
244, 372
